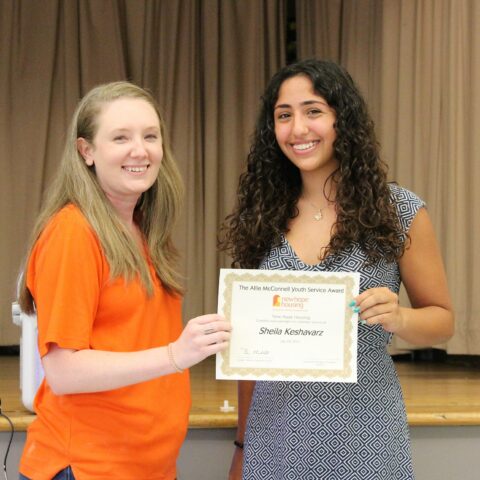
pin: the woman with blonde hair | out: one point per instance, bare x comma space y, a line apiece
101, 278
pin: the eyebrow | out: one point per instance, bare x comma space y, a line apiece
127, 129
306, 102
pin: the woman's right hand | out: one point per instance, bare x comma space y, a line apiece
71, 371
202, 336
235, 472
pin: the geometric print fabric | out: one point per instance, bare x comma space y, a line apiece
336, 431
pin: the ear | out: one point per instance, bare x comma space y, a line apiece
85, 149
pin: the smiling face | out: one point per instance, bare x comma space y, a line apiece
126, 150
304, 126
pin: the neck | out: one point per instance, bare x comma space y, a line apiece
124, 208
318, 188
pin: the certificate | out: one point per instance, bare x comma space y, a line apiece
289, 325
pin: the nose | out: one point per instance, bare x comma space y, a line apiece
138, 148
300, 126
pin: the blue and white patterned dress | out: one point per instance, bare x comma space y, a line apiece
336, 431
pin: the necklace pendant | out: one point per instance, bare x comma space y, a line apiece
318, 216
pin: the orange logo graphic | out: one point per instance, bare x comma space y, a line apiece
277, 301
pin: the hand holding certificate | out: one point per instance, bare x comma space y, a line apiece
289, 325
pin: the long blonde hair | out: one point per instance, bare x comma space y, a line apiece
155, 212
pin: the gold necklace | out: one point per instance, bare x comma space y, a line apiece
318, 215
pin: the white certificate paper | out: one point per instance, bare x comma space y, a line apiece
289, 325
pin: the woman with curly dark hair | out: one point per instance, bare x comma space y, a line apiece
315, 197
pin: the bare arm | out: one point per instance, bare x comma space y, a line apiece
245, 392
430, 320
84, 371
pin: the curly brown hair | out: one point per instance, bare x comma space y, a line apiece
270, 187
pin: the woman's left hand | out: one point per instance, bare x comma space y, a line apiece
379, 306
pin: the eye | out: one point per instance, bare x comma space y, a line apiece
151, 137
283, 116
120, 138
313, 112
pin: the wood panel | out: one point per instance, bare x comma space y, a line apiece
435, 394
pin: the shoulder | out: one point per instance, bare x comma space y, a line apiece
407, 204
401, 196
66, 247
68, 225
69, 215
69, 218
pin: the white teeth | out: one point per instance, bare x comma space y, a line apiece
135, 169
304, 146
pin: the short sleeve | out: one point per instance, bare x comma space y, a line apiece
64, 275
407, 203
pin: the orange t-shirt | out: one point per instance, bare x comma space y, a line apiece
129, 433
